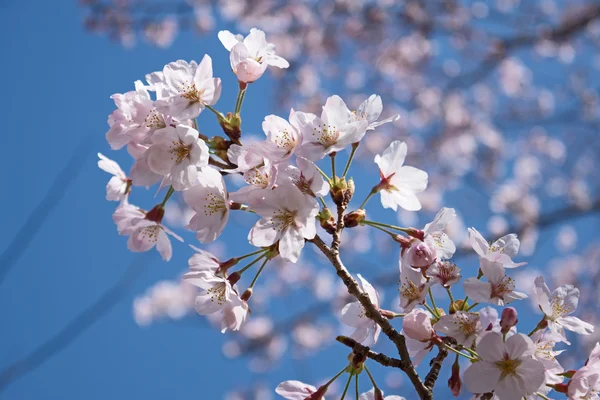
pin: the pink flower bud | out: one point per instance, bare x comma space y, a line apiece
378, 394
417, 325
454, 383
509, 319
420, 255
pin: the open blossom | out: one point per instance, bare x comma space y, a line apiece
462, 326
370, 395
176, 154
399, 184
501, 251
418, 329
332, 132
413, 287
251, 55
283, 137
119, 186
135, 119
245, 157
306, 178
190, 88
288, 217
507, 368
209, 200
498, 290
445, 273
557, 307
296, 390
353, 314
144, 229
370, 110
435, 244
585, 383
260, 177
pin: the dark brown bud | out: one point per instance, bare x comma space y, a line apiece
354, 218
234, 278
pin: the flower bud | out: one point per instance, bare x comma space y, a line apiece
454, 383
327, 220
404, 241
509, 319
420, 255
354, 218
342, 191
231, 126
456, 306
247, 294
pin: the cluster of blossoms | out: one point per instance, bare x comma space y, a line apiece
287, 190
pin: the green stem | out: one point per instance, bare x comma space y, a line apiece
346, 388
323, 174
373, 191
258, 273
398, 228
322, 202
450, 295
240, 258
464, 304
472, 306
354, 148
356, 380
168, 196
371, 377
220, 116
459, 353
380, 228
436, 313
239, 100
429, 309
332, 155
241, 271
335, 377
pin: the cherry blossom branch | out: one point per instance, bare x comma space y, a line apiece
436, 364
365, 351
373, 313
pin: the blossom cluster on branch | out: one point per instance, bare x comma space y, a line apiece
286, 190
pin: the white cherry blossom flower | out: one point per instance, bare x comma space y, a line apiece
399, 184
370, 110
413, 287
190, 86
498, 290
370, 395
261, 177
288, 217
119, 186
176, 154
445, 273
144, 229
306, 178
353, 314
502, 250
507, 368
210, 202
418, 349
417, 325
251, 55
585, 383
283, 138
433, 244
296, 390
462, 326
135, 119
245, 157
332, 132
557, 307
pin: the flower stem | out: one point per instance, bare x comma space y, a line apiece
380, 228
356, 380
220, 116
346, 388
459, 353
464, 304
472, 306
322, 202
373, 191
335, 377
450, 295
240, 258
354, 148
398, 228
371, 377
240, 100
332, 155
167, 196
436, 313
543, 396
241, 271
258, 273
323, 174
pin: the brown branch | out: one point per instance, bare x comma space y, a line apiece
436, 363
373, 314
365, 351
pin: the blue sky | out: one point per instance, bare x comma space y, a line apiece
57, 80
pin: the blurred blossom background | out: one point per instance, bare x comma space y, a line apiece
499, 103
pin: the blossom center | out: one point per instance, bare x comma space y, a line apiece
257, 176
218, 293
285, 140
303, 184
507, 366
189, 92
467, 326
559, 308
214, 204
154, 120
503, 287
150, 233
410, 290
283, 219
446, 272
327, 135
180, 151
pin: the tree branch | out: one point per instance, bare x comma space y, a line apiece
373, 314
365, 351
436, 364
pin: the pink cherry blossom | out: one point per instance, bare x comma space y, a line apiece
283, 137
557, 307
370, 110
288, 217
296, 390
119, 186
417, 325
498, 290
190, 88
260, 177
445, 273
251, 55
332, 132
370, 395
306, 178
413, 287
144, 233
507, 368
399, 184
353, 314
176, 154
501, 251
462, 326
418, 349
